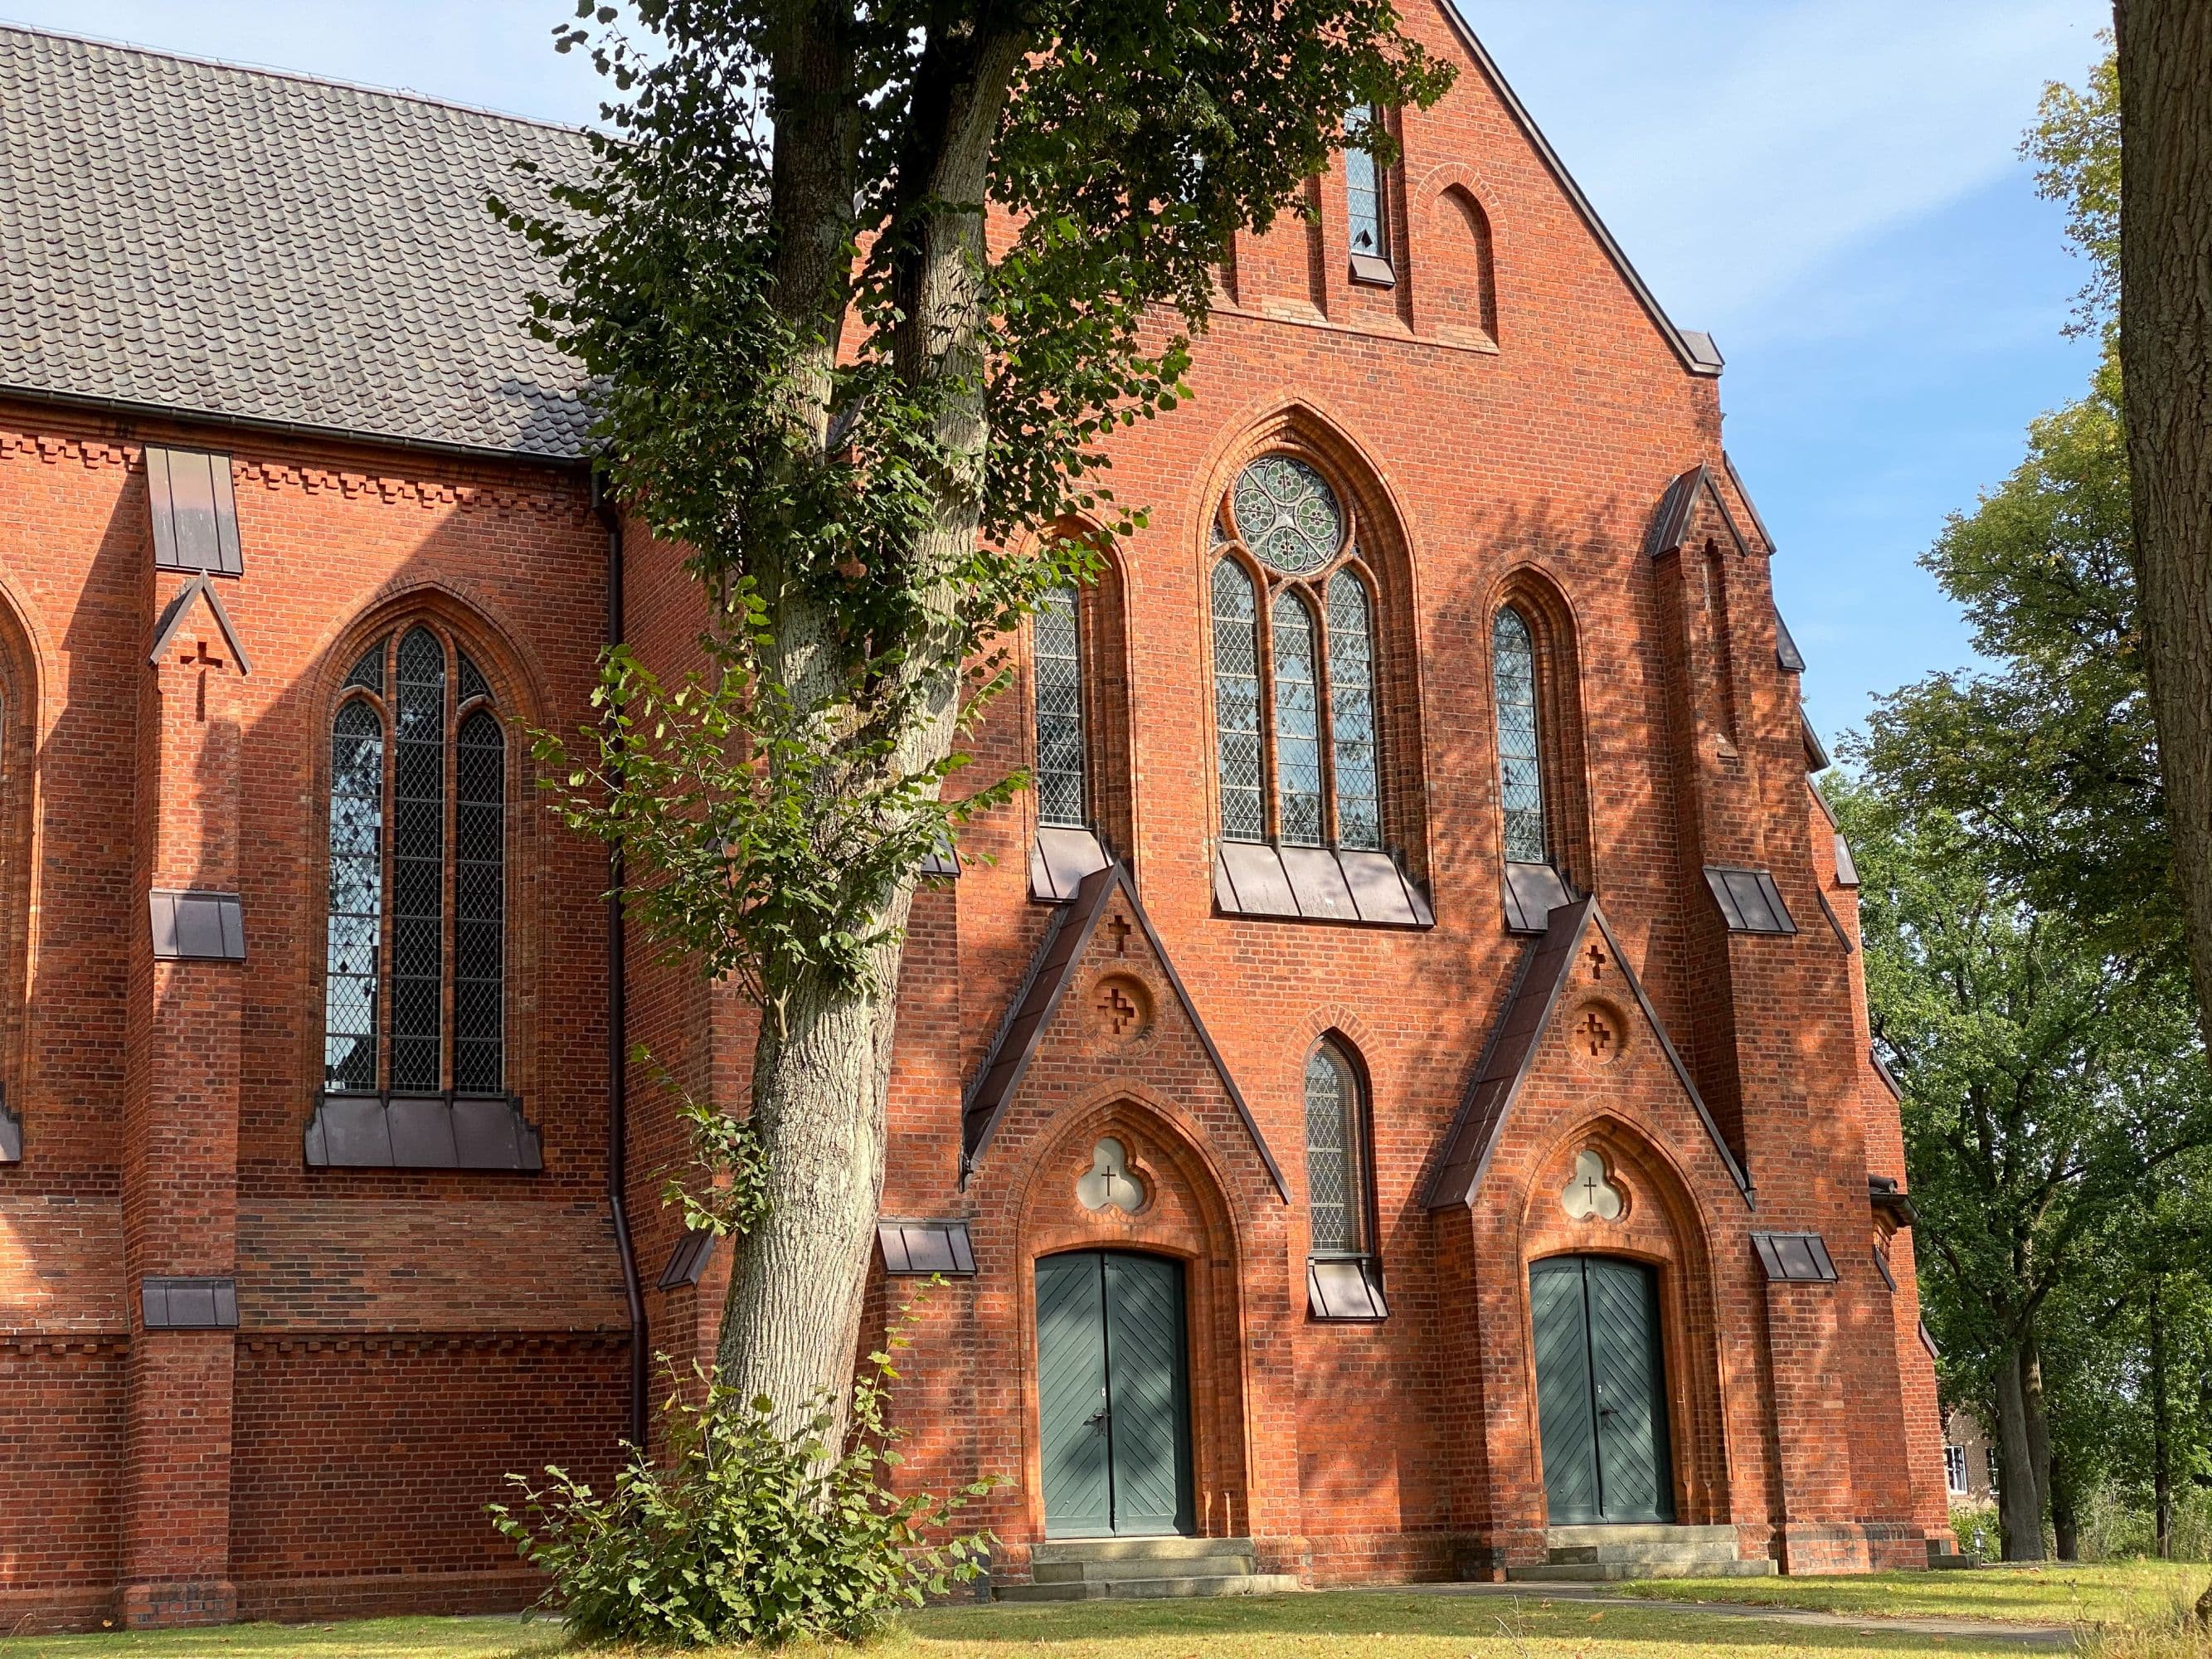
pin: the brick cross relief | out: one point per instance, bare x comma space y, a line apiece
1120, 1012
202, 656
1119, 926
1597, 961
1597, 1034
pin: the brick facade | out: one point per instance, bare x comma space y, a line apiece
1502, 424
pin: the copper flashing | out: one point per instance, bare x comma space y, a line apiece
1728, 463
1816, 752
422, 1132
11, 1134
1750, 901
921, 1249
1510, 1053
1347, 1289
1836, 922
687, 1262
179, 606
1786, 657
194, 510
1022, 1032
188, 1304
1316, 884
1795, 1258
1888, 1077
1533, 891
197, 927
1891, 1201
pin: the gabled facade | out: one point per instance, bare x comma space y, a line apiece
1398, 1092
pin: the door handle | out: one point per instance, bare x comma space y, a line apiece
1097, 1419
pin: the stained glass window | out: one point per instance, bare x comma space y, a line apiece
1520, 756
396, 870
1365, 200
1352, 715
1332, 1180
1297, 724
357, 898
1060, 745
1287, 514
1236, 702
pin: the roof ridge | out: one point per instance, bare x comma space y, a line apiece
271, 72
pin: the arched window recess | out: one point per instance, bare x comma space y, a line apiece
1344, 1280
1299, 761
415, 971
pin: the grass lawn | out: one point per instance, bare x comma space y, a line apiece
1373, 1625
2045, 1593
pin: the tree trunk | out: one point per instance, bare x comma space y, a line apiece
2065, 1513
2166, 354
2039, 1420
2161, 1428
791, 1325
2019, 1502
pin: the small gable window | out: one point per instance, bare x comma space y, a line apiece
1519, 752
1367, 199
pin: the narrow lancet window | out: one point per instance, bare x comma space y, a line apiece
356, 895
1366, 199
1352, 715
1298, 723
1520, 753
1237, 702
418, 866
1062, 799
1334, 1188
479, 902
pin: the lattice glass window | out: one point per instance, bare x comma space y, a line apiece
1297, 724
1365, 199
1333, 1176
417, 842
357, 898
1287, 514
479, 903
1062, 799
418, 865
1352, 715
1519, 754
1237, 702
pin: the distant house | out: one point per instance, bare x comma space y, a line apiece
1969, 1462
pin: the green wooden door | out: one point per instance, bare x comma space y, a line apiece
1601, 1390
1113, 1405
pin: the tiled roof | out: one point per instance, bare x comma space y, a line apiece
184, 236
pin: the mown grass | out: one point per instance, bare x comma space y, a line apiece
2045, 1593
1373, 1624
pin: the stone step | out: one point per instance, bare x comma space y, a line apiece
1614, 1536
1154, 1589
1166, 1546
1586, 1573
1567, 1557
1150, 1566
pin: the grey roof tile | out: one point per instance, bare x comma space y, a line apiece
256, 246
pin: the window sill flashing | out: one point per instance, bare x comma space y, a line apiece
1371, 272
1346, 1290
1265, 881
422, 1132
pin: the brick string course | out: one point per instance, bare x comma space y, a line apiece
1502, 424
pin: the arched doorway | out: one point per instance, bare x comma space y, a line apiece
1601, 1390
1113, 1394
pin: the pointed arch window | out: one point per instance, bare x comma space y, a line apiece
1520, 741
414, 983
1367, 199
1344, 1280
1297, 715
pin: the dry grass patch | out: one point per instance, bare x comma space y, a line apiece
2035, 1593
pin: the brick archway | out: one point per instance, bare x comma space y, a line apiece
1658, 1224
1183, 1215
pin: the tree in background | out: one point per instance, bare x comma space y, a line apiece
863, 286
2047, 1086
2165, 82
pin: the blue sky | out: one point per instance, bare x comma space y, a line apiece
1830, 187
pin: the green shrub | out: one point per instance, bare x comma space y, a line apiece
746, 1532
1975, 1527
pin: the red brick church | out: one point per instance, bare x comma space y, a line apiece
1395, 1102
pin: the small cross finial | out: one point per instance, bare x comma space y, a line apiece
1596, 1033
1119, 926
1597, 960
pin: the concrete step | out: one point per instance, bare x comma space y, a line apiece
1680, 1558
1148, 1566
1616, 1541
1153, 1589
1587, 1572
1168, 1547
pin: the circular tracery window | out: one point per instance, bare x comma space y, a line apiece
1287, 514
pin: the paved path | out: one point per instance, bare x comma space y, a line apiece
2035, 1636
